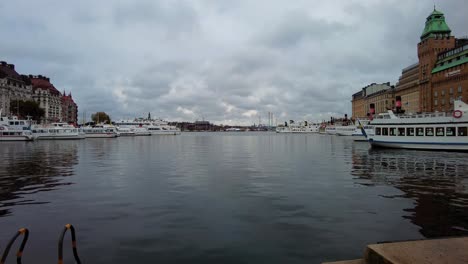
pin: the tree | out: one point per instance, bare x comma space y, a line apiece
26, 109
100, 117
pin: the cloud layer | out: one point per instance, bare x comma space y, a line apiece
229, 62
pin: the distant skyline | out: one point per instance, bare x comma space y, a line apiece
228, 62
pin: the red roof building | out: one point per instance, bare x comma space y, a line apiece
48, 97
69, 109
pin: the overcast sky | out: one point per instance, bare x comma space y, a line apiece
225, 61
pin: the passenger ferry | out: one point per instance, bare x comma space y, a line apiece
150, 127
100, 132
56, 131
300, 127
125, 132
9, 134
330, 130
434, 131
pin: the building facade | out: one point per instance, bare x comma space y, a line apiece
13, 87
69, 109
48, 97
407, 88
432, 84
382, 96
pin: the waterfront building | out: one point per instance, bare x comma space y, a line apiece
380, 96
69, 109
48, 97
407, 88
13, 87
438, 78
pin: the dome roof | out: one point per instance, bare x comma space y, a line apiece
435, 24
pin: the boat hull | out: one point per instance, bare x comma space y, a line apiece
165, 132
448, 146
16, 138
104, 135
57, 137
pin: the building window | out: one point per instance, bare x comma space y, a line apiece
435, 94
451, 90
459, 89
435, 102
443, 101
443, 92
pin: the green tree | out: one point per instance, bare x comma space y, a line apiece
26, 109
100, 117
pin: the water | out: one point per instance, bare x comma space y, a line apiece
226, 197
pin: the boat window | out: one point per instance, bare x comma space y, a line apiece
419, 131
392, 131
429, 131
401, 131
450, 132
462, 131
410, 131
440, 131
384, 131
378, 131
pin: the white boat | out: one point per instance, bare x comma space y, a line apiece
56, 131
299, 127
125, 132
345, 130
432, 131
148, 127
331, 130
9, 134
14, 129
99, 132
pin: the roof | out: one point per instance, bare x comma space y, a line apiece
435, 24
452, 58
43, 83
8, 71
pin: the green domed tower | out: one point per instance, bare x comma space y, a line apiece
435, 39
436, 26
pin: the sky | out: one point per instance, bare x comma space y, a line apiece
228, 62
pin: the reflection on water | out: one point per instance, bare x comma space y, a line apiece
227, 197
436, 181
28, 168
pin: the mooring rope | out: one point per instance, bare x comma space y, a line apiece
19, 254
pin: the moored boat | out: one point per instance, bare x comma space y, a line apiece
9, 134
430, 131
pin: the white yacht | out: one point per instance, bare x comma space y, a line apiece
299, 127
14, 129
10, 134
125, 132
435, 131
148, 126
99, 132
330, 129
56, 131
345, 130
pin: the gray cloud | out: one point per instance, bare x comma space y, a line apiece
225, 61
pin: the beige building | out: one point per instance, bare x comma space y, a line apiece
48, 97
380, 95
408, 88
13, 87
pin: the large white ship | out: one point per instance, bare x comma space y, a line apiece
56, 131
299, 127
435, 131
151, 127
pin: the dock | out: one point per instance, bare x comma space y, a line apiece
431, 251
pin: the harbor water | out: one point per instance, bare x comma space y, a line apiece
245, 197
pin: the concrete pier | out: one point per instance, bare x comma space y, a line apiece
432, 251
